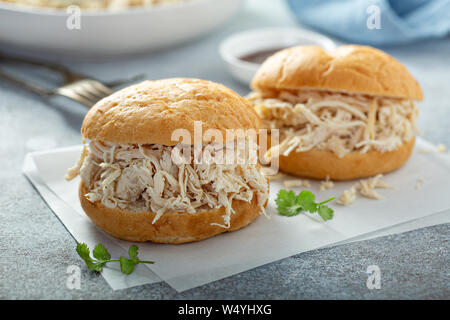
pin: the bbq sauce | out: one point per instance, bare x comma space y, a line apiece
259, 57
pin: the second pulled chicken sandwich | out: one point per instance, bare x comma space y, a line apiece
345, 114
134, 184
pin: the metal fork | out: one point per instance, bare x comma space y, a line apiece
76, 86
85, 91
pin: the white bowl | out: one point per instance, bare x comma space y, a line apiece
247, 42
106, 32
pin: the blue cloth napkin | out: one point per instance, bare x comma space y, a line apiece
400, 21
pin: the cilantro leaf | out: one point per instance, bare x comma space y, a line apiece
325, 212
306, 200
84, 252
289, 204
102, 256
126, 265
101, 253
133, 252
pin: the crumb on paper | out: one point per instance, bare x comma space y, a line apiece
347, 197
376, 182
419, 183
366, 188
306, 183
296, 183
439, 148
327, 184
367, 191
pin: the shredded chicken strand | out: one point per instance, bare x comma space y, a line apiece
347, 197
419, 183
336, 122
439, 148
366, 188
145, 177
296, 183
327, 184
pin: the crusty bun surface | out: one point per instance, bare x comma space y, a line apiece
148, 113
172, 227
349, 68
320, 164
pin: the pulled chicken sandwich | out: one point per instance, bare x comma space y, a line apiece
139, 184
345, 114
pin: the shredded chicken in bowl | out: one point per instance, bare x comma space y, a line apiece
146, 177
334, 121
93, 4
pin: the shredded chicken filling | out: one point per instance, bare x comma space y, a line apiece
336, 122
145, 177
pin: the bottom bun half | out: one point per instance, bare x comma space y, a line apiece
172, 227
319, 164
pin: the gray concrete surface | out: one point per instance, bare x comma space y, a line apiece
35, 248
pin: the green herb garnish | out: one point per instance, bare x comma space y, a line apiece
102, 256
290, 204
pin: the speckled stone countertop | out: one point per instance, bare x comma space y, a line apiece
36, 248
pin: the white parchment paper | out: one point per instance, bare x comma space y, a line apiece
83, 230
189, 265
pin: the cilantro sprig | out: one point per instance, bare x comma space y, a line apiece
102, 257
290, 204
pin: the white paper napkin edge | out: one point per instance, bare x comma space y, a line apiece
115, 279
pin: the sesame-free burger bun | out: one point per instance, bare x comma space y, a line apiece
322, 164
171, 227
349, 68
148, 112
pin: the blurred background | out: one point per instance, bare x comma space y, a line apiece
208, 39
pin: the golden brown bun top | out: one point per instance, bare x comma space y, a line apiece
349, 68
148, 113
